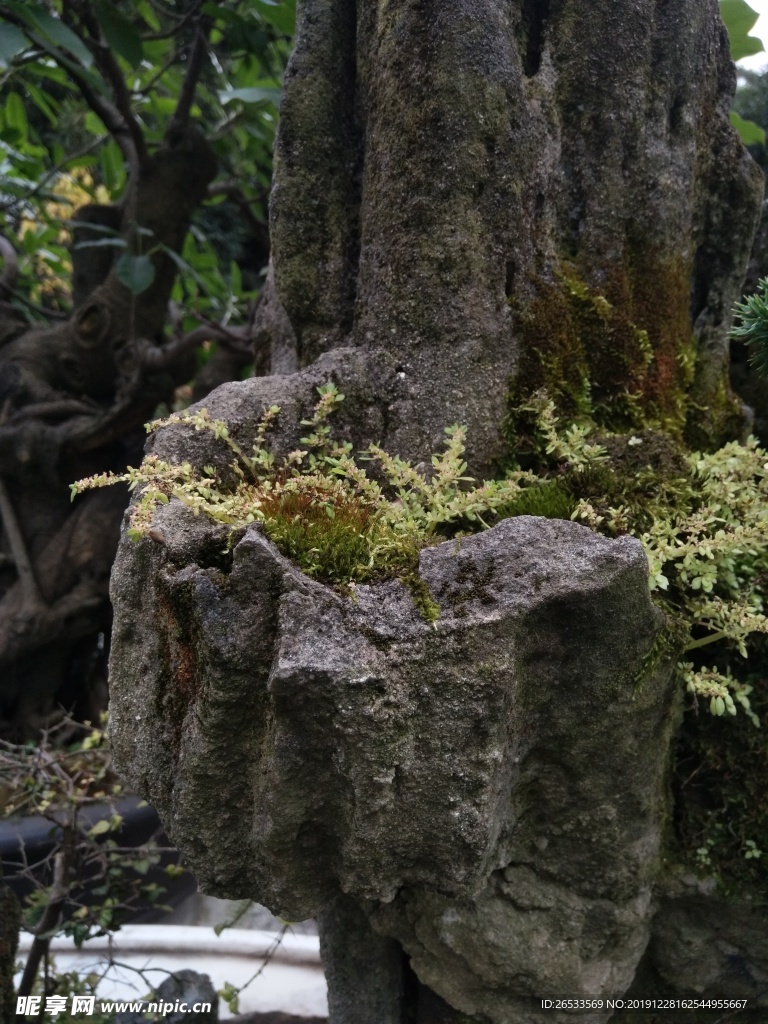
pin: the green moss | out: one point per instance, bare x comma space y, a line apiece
427, 607
620, 356
329, 540
550, 499
667, 647
722, 419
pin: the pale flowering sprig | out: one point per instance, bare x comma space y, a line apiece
569, 445
321, 485
721, 690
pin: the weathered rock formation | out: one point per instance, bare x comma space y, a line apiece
490, 787
544, 191
466, 207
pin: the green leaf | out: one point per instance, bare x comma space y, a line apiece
52, 29
101, 229
16, 115
102, 243
121, 33
739, 19
146, 13
235, 278
279, 13
100, 828
112, 166
43, 102
252, 94
50, 72
136, 272
749, 131
12, 42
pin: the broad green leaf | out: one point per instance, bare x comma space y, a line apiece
79, 161
121, 33
72, 67
739, 19
16, 115
12, 42
136, 272
749, 131
214, 10
279, 13
93, 123
235, 277
51, 73
112, 166
102, 229
52, 29
145, 11
44, 103
100, 828
252, 94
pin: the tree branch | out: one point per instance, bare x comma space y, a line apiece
180, 117
108, 113
30, 592
10, 268
110, 71
160, 357
53, 910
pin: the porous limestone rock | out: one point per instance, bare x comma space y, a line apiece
489, 786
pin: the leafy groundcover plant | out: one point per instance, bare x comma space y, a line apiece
706, 537
319, 505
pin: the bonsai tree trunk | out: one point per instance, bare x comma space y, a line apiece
74, 397
469, 204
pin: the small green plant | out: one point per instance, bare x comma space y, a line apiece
703, 526
711, 560
704, 531
753, 326
752, 852
319, 505
92, 880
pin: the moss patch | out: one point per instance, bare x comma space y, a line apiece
620, 356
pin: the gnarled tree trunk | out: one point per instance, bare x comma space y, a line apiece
74, 398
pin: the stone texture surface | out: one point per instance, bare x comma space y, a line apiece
704, 945
489, 791
489, 787
184, 987
438, 174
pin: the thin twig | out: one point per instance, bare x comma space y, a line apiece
50, 314
159, 357
178, 26
148, 86
52, 913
